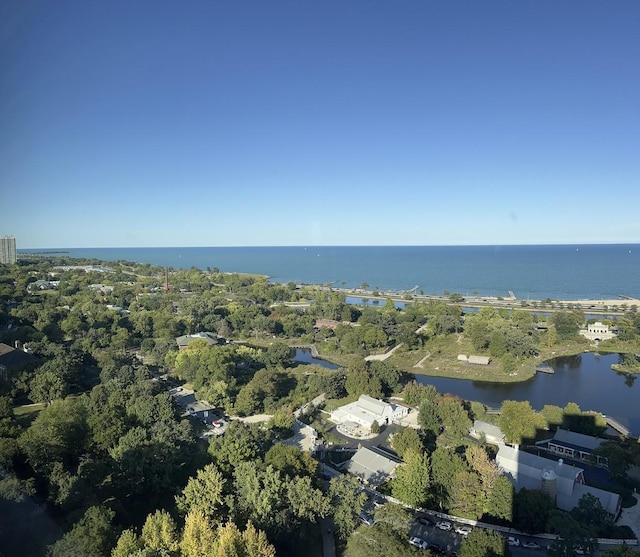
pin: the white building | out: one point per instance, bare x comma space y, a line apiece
564, 483
597, 331
8, 253
367, 410
372, 466
491, 433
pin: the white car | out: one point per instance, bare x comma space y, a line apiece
515, 542
418, 542
444, 525
463, 530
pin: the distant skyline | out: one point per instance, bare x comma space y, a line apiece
252, 123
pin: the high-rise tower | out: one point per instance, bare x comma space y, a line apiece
8, 254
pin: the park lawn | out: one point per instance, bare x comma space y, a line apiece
442, 360
26, 413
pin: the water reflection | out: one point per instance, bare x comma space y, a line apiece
303, 356
585, 379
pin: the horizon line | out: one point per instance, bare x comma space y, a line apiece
572, 244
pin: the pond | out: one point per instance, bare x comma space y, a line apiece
586, 379
303, 356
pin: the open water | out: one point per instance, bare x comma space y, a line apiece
559, 272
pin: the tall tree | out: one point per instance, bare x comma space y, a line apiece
204, 493
411, 484
347, 501
406, 440
160, 532
198, 536
483, 543
91, 536
519, 421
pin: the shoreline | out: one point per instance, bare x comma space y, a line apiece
600, 305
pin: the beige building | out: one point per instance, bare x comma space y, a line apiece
8, 253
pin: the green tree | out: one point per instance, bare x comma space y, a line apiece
405, 440
128, 543
198, 536
518, 421
411, 484
347, 502
291, 460
553, 415
566, 323
395, 516
379, 539
572, 536
532, 510
500, 501
58, 434
46, 387
241, 442
274, 502
467, 498
445, 466
91, 536
483, 543
453, 416
160, 532
204, 493
277, 354
590, 513
231, 542
618, 457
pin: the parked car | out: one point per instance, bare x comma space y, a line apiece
463, 530
366, 519
515, 542
437, 548
444, 525
418, 542
531, 545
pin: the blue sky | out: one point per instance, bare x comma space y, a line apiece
230, 123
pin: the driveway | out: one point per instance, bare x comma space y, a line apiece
631, 517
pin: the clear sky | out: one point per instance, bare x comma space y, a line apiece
319, 122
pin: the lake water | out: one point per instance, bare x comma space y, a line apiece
304, 356
586, 379
560, 272
375, 302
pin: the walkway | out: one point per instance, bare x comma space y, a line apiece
328, 541
383, 357
631, 517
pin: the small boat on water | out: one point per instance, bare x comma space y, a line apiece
545, 369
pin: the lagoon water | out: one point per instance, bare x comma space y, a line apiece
586, 379
303, 356
559, 272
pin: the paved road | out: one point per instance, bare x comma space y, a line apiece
328, 541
